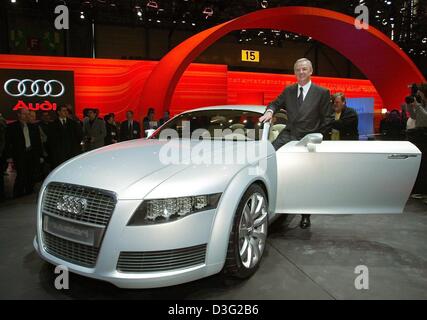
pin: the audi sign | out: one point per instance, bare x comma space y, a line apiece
34, 88
38, 90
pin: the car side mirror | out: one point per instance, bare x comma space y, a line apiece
310, 141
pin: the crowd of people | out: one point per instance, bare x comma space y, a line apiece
36, 147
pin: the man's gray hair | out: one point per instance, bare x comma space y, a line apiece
304, 60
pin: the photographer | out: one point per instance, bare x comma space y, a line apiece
418, 136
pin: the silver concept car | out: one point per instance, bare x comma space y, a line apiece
162, 211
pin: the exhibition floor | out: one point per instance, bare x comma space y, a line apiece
298, 264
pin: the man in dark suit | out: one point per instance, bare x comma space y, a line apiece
308, 109
345, 120
3, 128
94, 131
130, 129
112, 130
65, 136
24, 145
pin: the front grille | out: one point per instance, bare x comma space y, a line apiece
100, 203
70, 251
153, 261
100, 207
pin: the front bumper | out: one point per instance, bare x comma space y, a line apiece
190, 231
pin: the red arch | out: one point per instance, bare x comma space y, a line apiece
380, 59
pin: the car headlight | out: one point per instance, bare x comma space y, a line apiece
166, 210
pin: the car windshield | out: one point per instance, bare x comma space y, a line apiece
224, 124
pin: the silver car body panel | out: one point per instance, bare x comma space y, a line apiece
346, 177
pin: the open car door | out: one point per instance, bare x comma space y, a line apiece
345, 177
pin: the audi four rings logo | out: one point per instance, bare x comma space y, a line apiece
72, 204
34, 88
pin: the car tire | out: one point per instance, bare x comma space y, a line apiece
248, 235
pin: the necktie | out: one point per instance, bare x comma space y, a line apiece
300, 97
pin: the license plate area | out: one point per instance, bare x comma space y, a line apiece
73, 231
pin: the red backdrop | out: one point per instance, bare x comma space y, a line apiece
116, 85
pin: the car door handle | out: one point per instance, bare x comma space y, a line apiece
401, 156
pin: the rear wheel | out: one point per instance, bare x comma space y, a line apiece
248, 236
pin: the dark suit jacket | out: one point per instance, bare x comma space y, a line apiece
112, 133
64, 141
347, 124
126, 134
95, 131
15, 141
311, 116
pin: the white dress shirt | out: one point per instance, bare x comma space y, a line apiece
305, 89
26, 135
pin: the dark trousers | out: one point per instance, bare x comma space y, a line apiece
418, 137
25, 166
283, 138
3, 167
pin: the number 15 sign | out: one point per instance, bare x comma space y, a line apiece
250, 55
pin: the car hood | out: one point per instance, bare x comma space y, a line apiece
136, 165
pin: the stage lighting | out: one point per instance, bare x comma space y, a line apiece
82, 15
13, 1
208, 12
152, 5
264, 4
138, 11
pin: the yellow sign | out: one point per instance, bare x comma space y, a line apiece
250, 55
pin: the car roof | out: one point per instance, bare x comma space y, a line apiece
243, 107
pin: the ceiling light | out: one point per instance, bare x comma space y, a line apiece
152, 5
208, 12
